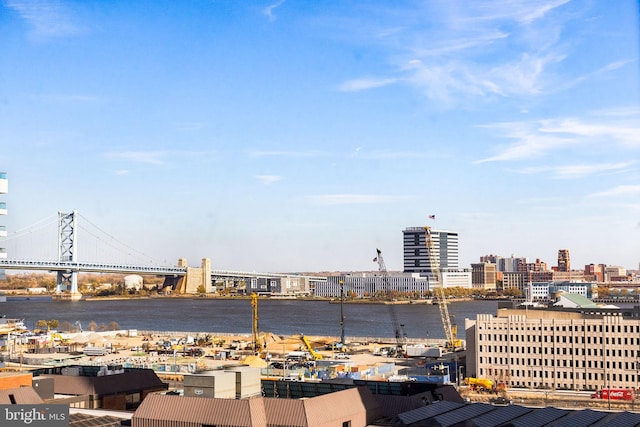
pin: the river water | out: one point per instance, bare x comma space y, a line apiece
282, 317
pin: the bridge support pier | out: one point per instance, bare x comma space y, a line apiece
67, 280
67, 236
197, 278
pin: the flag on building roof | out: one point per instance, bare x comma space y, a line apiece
432, 217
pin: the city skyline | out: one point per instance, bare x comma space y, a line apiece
279, 136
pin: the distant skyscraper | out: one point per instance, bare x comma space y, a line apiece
445, 244
564, 263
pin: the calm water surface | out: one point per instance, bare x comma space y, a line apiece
283, 317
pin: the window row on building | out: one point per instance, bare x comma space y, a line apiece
554, 349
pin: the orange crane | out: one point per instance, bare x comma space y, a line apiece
398, 328
452, 342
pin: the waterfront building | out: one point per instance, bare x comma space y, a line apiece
587, 348
273, 284
515, 280
445, 249
584, 289
364, 285
453, 278
483, 276
543, 291
416, 259
4, 189
537, 291
281, 286
520, 280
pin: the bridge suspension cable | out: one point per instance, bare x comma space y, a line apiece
33, 241
111, 241
38, 241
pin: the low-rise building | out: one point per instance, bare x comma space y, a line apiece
102, 387
350, 407
483, 276
586, 348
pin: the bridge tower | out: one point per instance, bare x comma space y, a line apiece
67, 237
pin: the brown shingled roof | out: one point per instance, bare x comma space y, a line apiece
21, 395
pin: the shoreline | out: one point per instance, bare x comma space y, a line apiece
19, 296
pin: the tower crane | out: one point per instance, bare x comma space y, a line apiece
257, 344
398, 328
449, 331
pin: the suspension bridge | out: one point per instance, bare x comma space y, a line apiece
67, 264
30, 249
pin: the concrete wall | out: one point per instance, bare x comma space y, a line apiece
247, 381
44, 387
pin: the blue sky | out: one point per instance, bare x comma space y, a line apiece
301, 136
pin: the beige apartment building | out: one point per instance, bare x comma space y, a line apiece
552, 349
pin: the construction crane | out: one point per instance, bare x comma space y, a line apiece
257, 344
398, 328
450, 332
314, 354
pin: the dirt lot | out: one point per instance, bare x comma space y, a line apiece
216, 352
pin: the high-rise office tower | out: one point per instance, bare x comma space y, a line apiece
445, 245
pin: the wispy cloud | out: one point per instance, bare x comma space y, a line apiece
623, 133
523, 12
530, 142
621, 190
538, 138
485, 50
268, 11
121, 172
577, 171
354, 199
589, 76
390, 155
366, 83
268, 179
276, 153
48, 18
148, 157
